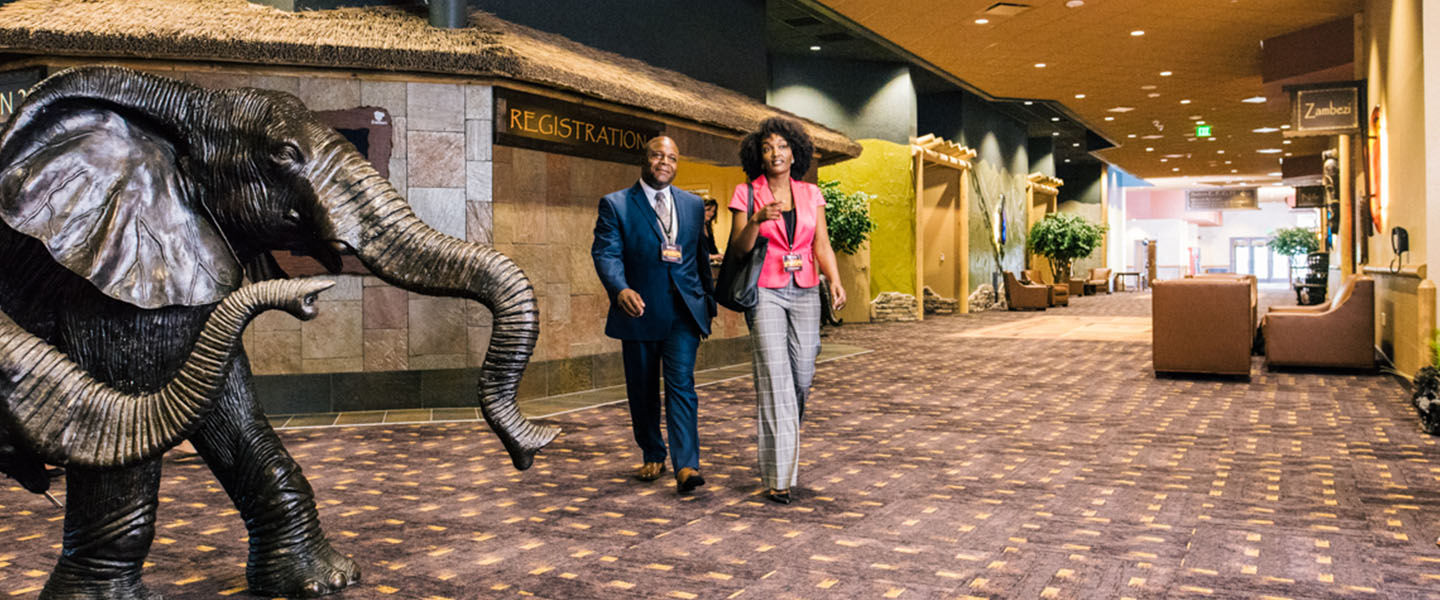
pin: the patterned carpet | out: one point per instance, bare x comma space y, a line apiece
937, 466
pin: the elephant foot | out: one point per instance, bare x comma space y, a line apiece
73, 588
301, 572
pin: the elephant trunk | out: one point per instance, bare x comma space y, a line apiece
402, 250
68, 417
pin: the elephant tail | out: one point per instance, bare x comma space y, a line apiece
67, 417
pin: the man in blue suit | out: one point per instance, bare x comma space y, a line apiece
648, 252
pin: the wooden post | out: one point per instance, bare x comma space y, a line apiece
919, 157
962, 223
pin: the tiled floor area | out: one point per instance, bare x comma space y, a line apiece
536, 409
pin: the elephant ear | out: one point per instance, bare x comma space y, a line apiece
107, 197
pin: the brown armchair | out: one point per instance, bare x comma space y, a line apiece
1098, 281
1025, 296
1203, 326
1059, 292
1338, 334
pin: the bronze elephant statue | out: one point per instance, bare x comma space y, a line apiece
130, 206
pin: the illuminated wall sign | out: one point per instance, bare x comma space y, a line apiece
1221, 199
14, 86
550, 125
1202, 131
1328, 109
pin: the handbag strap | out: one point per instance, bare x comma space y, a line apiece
750, 206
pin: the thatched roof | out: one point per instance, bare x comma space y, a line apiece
378, 38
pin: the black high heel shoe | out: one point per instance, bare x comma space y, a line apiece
778, 496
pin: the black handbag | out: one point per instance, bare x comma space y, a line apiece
737, 288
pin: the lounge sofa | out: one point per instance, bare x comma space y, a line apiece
1098, 281
1340, 333
1203, 325
1059, 292
1023, 296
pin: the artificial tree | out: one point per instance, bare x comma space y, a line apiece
1063, 237
1292, 242
847, 217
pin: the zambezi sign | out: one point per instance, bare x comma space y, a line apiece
551, 125
1333, 109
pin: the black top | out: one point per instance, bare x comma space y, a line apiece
789, 224
708, 239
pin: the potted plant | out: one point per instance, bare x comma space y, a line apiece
847, 217
1061, 238
1292, 242
1426, 393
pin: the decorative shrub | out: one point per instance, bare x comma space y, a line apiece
1294, 241
847, 216
1063, 237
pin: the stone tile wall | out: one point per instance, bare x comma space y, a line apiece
542, 216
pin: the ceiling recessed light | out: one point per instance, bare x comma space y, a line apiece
1039, 65
1131, 136
1056, 134
1164, 160
1166, 73
1153, 136
1149, 149
1284, 126
982, 21
1054, 119
1175, 169
1275, 174
1109, 118
1254, 100
1184, 101
1074, 3
1079, 96
1076, 144
1285, 142
1200, 122
1227, 162
1067, 160
1219, 151
1028, 103
1137, 33
814, 48
1264, 130
1289, 154
1120, 109
1268, 151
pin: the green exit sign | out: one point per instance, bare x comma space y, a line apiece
1202, 131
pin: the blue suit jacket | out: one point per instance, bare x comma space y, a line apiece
627, 255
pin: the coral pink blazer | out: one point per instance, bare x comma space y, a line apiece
808, 201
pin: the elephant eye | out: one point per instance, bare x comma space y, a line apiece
288, 154
292, 216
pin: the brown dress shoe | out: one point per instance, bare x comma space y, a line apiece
650, 471
687, 479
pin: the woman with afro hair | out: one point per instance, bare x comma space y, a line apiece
785, 323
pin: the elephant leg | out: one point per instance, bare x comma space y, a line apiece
109, 524
289, 555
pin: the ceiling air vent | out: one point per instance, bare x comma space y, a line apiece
1006, 9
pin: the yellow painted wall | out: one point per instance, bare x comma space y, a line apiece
1394, 68
884, 169
718, 182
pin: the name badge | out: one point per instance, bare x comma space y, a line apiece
670, 253
792, 263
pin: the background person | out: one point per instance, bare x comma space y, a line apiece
785, 323
712, 208
648, 254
